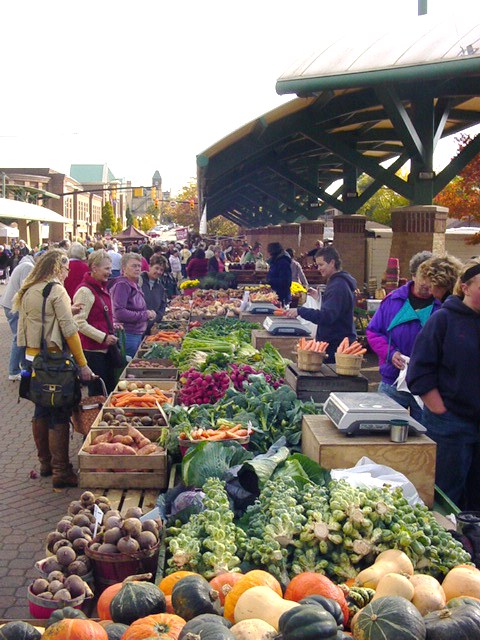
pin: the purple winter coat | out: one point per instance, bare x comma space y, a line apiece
385, 341
128, 305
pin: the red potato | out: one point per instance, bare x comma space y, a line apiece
110, 449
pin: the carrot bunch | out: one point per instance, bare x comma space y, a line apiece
354, 349
279, 312
166, 336
139, 398
312, 345
213, 435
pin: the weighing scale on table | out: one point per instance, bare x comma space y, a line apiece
281, 326
361, 413
260, 308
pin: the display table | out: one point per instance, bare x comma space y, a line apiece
253, 317
284, 344
318, 386
415, 458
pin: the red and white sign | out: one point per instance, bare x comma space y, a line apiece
182, 233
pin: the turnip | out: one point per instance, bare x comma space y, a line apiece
61, 543
65, 556
74, 533
39, 586
63, 594
128, 545
55, 585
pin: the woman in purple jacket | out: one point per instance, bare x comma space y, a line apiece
128, 302
394, 327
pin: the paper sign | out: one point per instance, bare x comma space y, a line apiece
98, 515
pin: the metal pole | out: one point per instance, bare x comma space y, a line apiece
422, 7
4, 184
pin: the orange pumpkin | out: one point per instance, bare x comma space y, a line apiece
160, 626
166, 584
103, 604
224, 583
255, 578
75, 629
309, 584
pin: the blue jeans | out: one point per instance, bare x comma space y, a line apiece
132, 342
403, 398
17, 354
457, 470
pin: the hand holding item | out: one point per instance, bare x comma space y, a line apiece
77, 307
86, 374
291, 313
313, 293
398, 361
110, 339
117, 325
151, 314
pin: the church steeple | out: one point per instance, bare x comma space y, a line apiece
157, 180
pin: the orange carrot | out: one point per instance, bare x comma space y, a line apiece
343, 345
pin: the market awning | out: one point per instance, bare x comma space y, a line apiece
17, 210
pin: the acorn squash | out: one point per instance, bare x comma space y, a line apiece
389, 617
457, 622
308, 622
207, 627
19, 630
66, 612
137, 600
192, 596
328, 604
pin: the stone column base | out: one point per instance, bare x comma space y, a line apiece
350, 242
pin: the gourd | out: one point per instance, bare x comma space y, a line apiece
115, 630
390, 617
254, 578
428, 593
66, 612
390, 561
462, 581
310, 583
394, 584
207, 627
224, 582
253, 629
460, 622
192, 596
107, 595
160, 626
262, 603
308, 622
328, 604
75, 629
166, 584
136, 600
19, 630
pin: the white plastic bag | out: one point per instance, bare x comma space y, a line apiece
401, 381
370, 474
311, 303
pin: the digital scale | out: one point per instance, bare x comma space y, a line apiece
359, 413
281, 326
260, 307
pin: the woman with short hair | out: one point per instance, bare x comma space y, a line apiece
153, 289
442, 272
128, 301
78, 267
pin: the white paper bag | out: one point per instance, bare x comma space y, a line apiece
311, 303
401, 381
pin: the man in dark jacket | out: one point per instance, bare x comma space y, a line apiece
280, 273
153, 290
335, 318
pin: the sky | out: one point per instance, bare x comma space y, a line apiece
148, 85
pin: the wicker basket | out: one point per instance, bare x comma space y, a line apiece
85, 414
310, 360
348, 365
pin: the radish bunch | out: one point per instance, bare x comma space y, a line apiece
202, 388
239, 374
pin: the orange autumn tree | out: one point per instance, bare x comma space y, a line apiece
462, 194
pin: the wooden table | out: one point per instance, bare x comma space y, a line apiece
319, 385
284, 344
253, 317
415, 458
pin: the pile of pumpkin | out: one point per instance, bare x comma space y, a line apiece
252, 606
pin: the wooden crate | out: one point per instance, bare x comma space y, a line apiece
415, 458
99, 418
124, 499
253, 317
139, 410
123, 472
284, 344
318, 386
165, 371
163, 385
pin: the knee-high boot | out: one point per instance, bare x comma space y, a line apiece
63, 473
40, 437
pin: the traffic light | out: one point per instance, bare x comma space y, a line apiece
192, 205
113, 191
156, 203
154, 193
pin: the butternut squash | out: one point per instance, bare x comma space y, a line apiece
428, 595
262, 603
394, 584
390, 561
463, 580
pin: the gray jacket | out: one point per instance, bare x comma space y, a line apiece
19, 274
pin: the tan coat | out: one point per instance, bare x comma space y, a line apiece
58, 317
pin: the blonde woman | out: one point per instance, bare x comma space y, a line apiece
444, 371
442, 273
51, 427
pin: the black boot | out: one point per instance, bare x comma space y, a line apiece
40, 437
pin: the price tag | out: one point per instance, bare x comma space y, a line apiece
98, 515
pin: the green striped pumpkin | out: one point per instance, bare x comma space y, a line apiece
392, 618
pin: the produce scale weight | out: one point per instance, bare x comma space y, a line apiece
280, 326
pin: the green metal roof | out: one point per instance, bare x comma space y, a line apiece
90, 173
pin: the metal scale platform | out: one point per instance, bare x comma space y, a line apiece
281, 326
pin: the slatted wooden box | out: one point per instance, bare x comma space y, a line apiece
285, 345
415, 458
318, 386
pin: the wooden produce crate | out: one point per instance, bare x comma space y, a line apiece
318, 386
163, 385
156, 370
123, 472
131, 411
162, 420
124, 499
284, 344
415, 458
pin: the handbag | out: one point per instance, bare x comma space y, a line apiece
85, 414
115, 355
54, 380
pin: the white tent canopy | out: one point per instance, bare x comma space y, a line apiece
17, 210
8, 232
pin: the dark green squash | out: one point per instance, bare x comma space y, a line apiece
115, 630
457, 622
137, 600
308, 622
328, 604
207, 626
19, 630
61, 614
192, 596
390, 617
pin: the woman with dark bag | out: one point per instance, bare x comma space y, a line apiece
51, 425
95, 321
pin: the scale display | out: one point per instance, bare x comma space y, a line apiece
260, 307
280, 326
355, 413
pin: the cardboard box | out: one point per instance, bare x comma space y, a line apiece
415, 458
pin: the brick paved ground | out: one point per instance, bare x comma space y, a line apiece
30, 508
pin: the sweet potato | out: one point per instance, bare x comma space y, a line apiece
139, 439
110, 449
123, 439
104, 437
147, 449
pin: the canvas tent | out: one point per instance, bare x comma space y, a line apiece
6, 231
131, 234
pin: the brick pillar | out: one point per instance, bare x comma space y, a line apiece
35, 233
310, 232
350, 242
417, 228
24, 232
